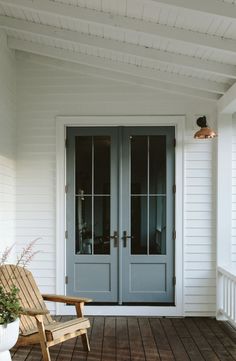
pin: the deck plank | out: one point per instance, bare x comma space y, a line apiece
213, 341
122, 339
149, 345
175, 342
135, 340
189, 344
145, 339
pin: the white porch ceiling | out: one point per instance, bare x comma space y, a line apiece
180, 46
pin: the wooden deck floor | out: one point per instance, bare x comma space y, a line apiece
145, 339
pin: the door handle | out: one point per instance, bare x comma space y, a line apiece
115, 237
125, 237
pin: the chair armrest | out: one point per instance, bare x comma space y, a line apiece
65, 299
33, 312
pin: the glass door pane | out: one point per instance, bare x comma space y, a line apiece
92, 198
148, 194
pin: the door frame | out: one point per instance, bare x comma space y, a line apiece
62, 122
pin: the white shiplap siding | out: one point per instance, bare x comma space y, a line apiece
7, 144
200, 249
43, 94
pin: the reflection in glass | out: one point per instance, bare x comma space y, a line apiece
148, 178
157, 164
101, 225
139, 225
138, 164
102, 164
157, 225
83, 164
92, 162
83, 244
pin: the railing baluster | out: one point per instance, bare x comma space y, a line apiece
227, 293
224, 293
234, 305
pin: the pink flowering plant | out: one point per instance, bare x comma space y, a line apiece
10, 308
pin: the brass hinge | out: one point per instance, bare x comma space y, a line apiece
66, 188
174, 280
66, 280
174, 235
66, 234
174, 142
174, 188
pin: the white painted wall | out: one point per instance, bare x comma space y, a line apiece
44, 93
7, 144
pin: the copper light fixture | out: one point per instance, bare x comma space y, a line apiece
205, 132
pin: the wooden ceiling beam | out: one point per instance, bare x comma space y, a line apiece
129, 24
213, 7
114, 46
100, 67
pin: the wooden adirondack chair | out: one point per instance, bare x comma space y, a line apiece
36, 324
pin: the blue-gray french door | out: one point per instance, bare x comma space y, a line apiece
120, 214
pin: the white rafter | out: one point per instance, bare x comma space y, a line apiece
105, 68
214, 7
227, 103
78, 38
107, 19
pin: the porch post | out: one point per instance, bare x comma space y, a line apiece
224, 201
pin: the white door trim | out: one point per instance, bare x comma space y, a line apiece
97, 121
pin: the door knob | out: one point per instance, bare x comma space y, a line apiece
125, 237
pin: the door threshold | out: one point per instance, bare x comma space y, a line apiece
140, 304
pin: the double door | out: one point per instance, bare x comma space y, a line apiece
120, 214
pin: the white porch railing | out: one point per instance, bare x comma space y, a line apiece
226, 294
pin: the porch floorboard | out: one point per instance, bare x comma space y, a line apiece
145, 339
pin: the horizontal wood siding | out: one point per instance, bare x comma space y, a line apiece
43, 94
200, 226
7, 144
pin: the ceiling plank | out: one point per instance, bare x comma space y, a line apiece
78, 38
105, 68
213, 7
107, 19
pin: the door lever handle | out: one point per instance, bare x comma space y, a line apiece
125, 237
115, 237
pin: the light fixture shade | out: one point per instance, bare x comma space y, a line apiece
205, 132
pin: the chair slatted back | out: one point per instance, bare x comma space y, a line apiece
29, 294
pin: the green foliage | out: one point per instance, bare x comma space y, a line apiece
9, 305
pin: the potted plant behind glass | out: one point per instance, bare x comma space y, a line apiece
10, 308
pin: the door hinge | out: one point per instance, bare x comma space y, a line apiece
174, 188
174, 142
174, 235
66, 234
66, 188
66, 143
66, 280
174, 280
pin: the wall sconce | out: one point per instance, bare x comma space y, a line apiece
205, 132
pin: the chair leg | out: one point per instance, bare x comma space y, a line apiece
45, 352
42, 338
85, 341
79, 311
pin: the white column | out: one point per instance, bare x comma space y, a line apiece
224, 190
224, 198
